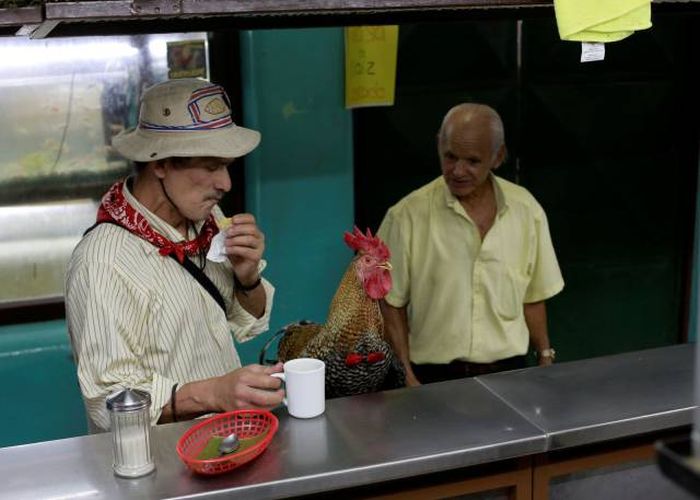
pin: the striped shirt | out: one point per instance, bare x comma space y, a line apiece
138, 319
465, 296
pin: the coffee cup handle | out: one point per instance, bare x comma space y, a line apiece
280, 375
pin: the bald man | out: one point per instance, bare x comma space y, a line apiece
473, 261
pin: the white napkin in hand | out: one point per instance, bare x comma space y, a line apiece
217, 251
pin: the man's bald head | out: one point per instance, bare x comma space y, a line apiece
470, 146
473, 115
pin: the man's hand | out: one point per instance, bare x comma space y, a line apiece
396, 333
411, 380
544, 361
244, 244
536, 320
248, 387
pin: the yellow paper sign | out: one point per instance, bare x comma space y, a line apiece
370, 65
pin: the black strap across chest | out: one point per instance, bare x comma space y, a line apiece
189, 266
203, 280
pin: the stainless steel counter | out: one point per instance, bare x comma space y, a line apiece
603, 398
390, 435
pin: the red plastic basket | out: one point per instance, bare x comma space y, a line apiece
245, 423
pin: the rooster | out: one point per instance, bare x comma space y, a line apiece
351, 342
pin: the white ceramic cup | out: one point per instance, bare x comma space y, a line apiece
305, 385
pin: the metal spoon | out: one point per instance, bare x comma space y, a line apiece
229, 444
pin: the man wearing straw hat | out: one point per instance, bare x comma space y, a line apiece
145, 306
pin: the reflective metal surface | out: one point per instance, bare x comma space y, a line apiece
358, 440
603, 398
390, 435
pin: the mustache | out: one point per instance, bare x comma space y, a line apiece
217, 197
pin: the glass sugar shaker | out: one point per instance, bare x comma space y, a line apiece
131, 432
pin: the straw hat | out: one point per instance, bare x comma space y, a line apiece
187, 118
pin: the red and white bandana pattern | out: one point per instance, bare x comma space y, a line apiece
116, 209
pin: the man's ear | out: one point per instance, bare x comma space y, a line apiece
159, 168
500, 156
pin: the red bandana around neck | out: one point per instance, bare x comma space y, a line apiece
116, 209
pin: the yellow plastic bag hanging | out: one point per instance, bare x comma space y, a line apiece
601, 20
370, 65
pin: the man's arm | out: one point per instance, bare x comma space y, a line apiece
247, 387
536, 320
396, 333
253, 300
250, 386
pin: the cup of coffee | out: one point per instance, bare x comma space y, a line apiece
305, 384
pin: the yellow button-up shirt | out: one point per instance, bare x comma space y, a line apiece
139, 319
465, 296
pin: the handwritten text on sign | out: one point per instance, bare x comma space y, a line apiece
370, 65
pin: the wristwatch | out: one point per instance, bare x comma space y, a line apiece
547, 353
245, 288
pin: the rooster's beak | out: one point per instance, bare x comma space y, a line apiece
386, 265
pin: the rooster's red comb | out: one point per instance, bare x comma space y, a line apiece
366, 243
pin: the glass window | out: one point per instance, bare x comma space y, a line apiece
62, 100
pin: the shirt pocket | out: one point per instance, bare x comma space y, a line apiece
512, 288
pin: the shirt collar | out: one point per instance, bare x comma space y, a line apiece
452, 201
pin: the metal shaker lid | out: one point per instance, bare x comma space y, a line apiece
128, 400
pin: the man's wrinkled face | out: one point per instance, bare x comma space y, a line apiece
467, 156
195, 185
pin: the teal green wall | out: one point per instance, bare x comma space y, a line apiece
299, 182
41, 397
